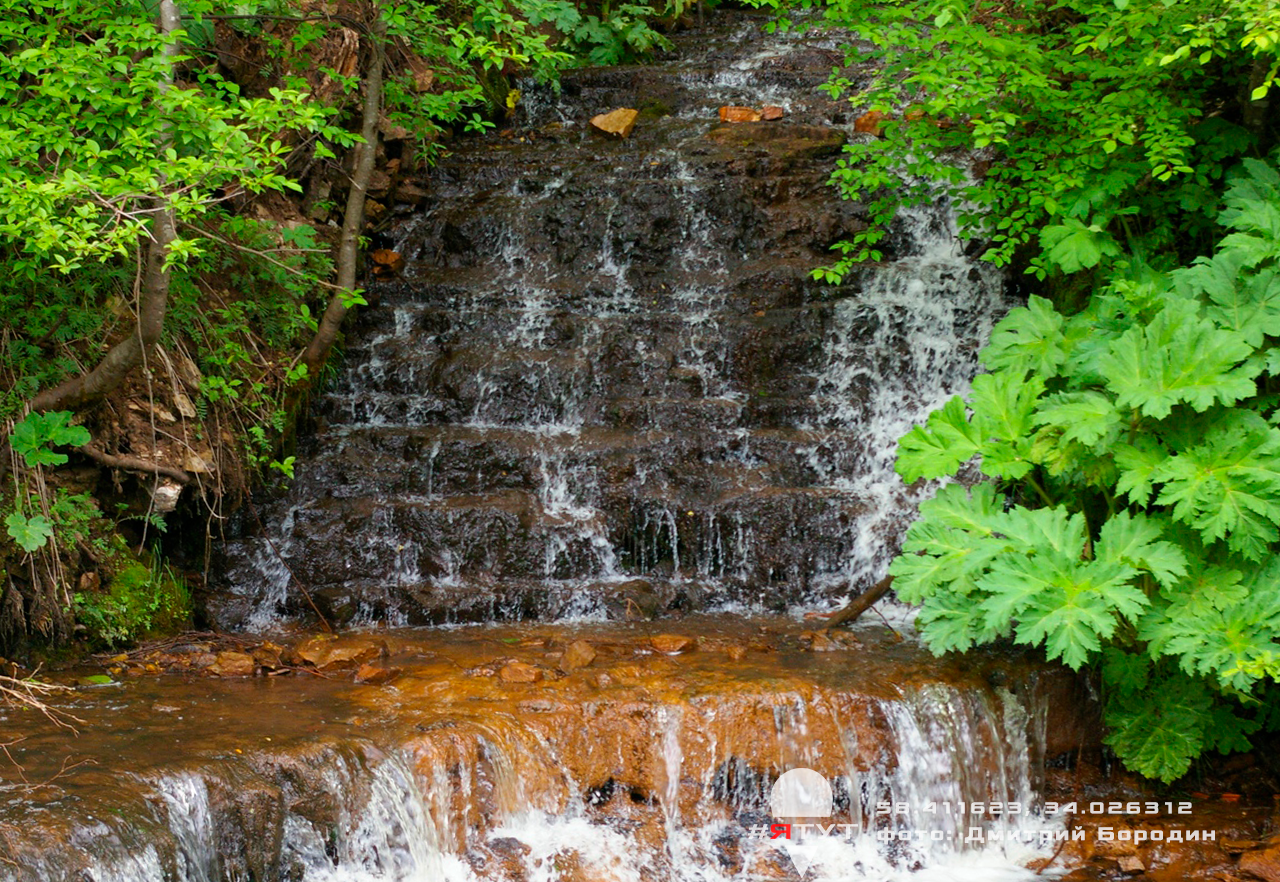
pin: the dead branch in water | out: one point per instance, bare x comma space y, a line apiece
32, 693
860, 604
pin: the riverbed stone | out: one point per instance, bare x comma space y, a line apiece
673, 644
1263, 863
233, 664
733, 114
330, 652
616, 123
577, 654
520, 672
376, 675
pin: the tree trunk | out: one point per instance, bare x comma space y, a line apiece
317, 351
153, 299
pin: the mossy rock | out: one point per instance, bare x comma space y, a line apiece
137, 602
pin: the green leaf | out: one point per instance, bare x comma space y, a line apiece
1138, 541
1073, 246
1158, 731
31, 533
1229, 487
1138, 463
1178, 358
37, 432
947, 440
1087, 417
1027, 339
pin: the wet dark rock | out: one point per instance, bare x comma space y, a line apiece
606, 361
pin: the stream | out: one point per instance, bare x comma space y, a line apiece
588, 462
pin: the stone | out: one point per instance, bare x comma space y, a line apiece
410, 193
268, 655
387, 262
733, 114
165, 495
376, 675
735, 651
577, 654
329, 653
233, 664
870, 123
771, 112
672, 644
1132, 864
616, 123
819, 641
519, 672
1263, 863
784, 141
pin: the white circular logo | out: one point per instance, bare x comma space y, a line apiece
801, 793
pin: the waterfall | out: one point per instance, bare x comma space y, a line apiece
606, 362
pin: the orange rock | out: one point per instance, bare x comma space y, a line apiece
733, 114
578, 654
616, 123
736, 651
336, 653
1263, 863
387, 262
772, 112
520, 672
870, 122
672, 644
233, 664
268, 655
376, 675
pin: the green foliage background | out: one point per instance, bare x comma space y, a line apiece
1126, 430
100, 129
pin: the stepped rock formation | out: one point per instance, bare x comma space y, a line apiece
606, 362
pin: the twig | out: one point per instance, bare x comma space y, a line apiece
30, 693
303, 588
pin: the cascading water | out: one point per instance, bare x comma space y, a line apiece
668, 780
606, 362
606, 390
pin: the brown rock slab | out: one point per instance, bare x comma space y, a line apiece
785, 141
616, 123
233, 664
268, 655
733, 114
577, 654
672, 644
376, 675
1132, 864
771, 112
1263, 863
330, 653
870, 123
387, 262
519, 672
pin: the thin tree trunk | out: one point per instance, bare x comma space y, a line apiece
317, 351
153, 297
